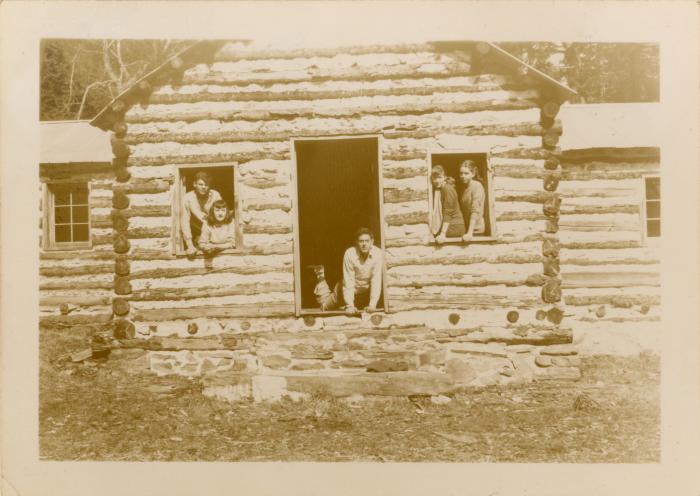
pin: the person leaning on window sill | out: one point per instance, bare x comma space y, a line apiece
218, 230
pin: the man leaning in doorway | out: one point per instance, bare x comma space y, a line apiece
362, 277
362, 273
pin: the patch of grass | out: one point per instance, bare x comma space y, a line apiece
115, 410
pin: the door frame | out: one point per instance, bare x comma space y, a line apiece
295, 214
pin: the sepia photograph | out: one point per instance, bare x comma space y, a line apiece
364, 249
382, 253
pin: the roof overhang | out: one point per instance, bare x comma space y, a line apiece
484, 49
65, 142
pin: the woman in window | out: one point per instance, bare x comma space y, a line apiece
447, 220
472, 200
196, 206
218, 232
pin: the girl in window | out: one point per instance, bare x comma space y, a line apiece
218, 230
472, 201
447, 220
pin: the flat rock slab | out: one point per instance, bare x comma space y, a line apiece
380, 384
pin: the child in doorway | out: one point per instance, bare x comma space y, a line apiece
218, 230
326, 299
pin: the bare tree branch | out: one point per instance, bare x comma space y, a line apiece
106, 45
85, 94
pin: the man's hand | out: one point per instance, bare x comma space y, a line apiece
190, 250
467, 237
370, 309
350, 310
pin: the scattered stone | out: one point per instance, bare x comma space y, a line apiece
267, 388
540, 314
453, 318
559, 373
644, 309
362, 343
479, 349
350, 364
512, 316
507, 371
384, 365
583, 402
307, 366
517, 399
519, 348
376, 319
432, 357
160, 389
306, 352
189, 369
192, 328
440, 399
600, 312
543, 361
81, 355
354, 399
559, 349
208, 366
460, 371
276, 362
100, 353
65, 308
566, 361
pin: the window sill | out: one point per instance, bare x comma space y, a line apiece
201, 255
459, 241
314, 312
69, 247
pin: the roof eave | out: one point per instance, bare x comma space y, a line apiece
559, 89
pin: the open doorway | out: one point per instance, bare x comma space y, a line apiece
338, 188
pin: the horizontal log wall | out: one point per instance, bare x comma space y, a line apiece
246, 106
610, 276
244, 109
76, 286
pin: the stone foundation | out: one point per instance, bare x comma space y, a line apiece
401, 362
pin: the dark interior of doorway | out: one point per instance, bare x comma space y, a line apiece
451, 162
338, 192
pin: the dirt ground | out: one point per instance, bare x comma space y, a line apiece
99, 410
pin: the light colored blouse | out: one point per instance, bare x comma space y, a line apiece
472, 203
217, 235
193, 207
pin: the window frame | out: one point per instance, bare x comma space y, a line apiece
48, 236
646, 239
490, 198
176, 234
298, 310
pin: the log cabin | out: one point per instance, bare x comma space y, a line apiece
307, 145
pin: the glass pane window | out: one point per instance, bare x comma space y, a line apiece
71, 213
653, 209
652, 206
654, 228
653, 186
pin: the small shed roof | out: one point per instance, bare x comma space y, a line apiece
610, 125
63, 142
